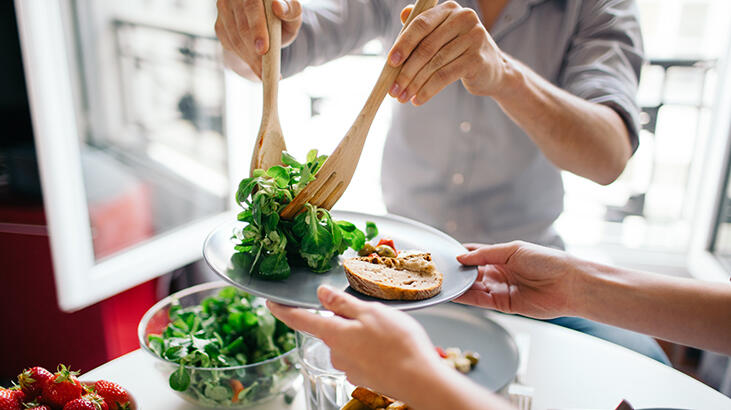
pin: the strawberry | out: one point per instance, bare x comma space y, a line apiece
9, 400
91, 401
32, 380
115, 396
36, 406
62, 388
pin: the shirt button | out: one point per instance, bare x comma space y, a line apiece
465, 126
451, 226
458, 179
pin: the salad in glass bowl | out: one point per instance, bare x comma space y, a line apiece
219, 346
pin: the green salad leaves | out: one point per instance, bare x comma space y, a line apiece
225, 330
268, 244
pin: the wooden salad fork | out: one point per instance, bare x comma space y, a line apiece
336, 173
270, 141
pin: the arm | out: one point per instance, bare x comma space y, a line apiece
579, 136
320, 32
589, 129
364, 336
534, 281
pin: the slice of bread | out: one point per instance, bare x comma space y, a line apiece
410, 276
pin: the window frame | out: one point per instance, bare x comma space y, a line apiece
80, 279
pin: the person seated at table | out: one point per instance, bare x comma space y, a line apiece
505, 93
520, 278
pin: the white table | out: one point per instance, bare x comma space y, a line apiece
566, 368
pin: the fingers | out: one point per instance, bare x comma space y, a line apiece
255, 17
477, 298
419, 28
440, 79
341, 303
416, 73
305, 321
287, 11
471, 246
499, 254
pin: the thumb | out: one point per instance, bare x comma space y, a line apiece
340, 302
405, 13
490, 254
287, 10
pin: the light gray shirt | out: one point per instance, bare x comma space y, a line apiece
458, 162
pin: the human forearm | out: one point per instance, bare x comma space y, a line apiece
582, 137
449, 390
682, 310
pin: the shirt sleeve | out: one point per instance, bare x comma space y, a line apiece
334, 28
604, 59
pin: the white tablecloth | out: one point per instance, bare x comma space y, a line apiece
567, 369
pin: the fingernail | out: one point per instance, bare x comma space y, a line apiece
259, 44
285, 7
394, 89
395, 58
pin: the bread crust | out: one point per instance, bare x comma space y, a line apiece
372, 287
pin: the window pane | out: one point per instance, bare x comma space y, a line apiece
150, 87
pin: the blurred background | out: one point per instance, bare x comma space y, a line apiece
165, 134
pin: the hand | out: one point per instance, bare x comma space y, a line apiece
522, 278
442, 45
376, 346
242, 29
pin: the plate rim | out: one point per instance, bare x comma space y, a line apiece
416, 305
481, 314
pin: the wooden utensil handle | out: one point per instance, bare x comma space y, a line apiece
271, 62
389, 73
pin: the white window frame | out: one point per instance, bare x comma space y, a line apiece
80, 279
702, 263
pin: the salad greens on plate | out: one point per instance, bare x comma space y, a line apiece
226, 330
268, 244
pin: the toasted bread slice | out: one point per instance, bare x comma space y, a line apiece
410, 276
364, 398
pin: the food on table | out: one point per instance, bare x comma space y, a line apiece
462, 361
89, 401
31, 381
39, 389
11, 399
62, 388
394, 275
268, 245
228, 329
112, 393
366, 399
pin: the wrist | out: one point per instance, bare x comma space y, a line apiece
513, 79
591, 282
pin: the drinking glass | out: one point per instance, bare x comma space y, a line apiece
326, 388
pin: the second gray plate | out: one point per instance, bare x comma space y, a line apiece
454, 325
300, 288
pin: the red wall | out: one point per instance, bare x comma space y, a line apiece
34, 330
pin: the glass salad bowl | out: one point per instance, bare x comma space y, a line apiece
219, 347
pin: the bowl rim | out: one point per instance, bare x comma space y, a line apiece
186, 292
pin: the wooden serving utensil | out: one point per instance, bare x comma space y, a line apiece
336, 173
270, 141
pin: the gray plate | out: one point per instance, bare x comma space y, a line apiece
300, 288
453, 325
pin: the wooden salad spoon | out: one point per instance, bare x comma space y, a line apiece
336, 173
270, 141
